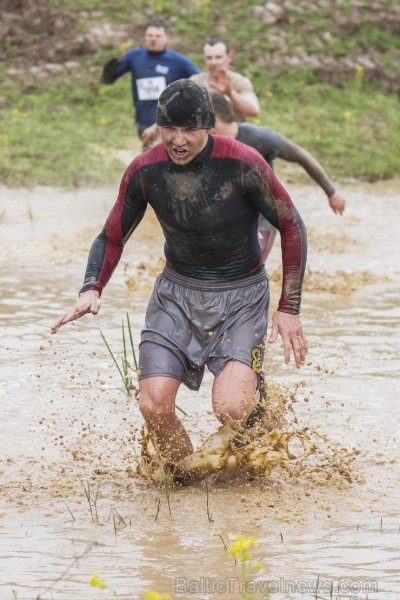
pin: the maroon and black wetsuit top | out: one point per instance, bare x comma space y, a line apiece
208, 211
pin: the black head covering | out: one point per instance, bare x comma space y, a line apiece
185, 103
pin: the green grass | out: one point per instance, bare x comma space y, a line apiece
67, 130
352, 131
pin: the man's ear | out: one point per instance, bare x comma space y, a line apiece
230, 56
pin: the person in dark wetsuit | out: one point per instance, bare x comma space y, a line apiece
209, 305
271, 145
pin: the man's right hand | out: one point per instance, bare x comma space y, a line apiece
289, 328
108, 74
89, 302
221, 82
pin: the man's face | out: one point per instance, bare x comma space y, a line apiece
216, 57
183, 144
156, 39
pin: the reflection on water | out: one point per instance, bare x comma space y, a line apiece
64, 423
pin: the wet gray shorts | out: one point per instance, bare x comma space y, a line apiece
191, 323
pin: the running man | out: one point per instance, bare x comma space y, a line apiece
151, 69
209, 306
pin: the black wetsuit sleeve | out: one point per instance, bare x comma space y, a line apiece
267, 194
109, 75
293, 153
123, 219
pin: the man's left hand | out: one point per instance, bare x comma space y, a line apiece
149, 135
337, 203
289, 328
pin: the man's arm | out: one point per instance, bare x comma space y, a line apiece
275, 204
107, 248
109, 71
267, 194
294, 153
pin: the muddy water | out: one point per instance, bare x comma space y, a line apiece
66, 425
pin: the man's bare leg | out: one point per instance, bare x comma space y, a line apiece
157, 405
234, 392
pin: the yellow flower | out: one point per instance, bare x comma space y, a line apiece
270, 94
347, 114
18, 113
359, 70
103, 122
152, 595
240, 548
4, 139
124, 46
96, 581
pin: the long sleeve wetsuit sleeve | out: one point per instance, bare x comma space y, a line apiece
107, 248
293, 153
274, 202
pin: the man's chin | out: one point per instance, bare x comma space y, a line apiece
181, 161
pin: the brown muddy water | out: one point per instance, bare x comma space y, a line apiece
334, 522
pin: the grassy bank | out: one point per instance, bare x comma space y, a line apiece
66, 128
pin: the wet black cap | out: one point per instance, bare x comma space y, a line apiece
185, 103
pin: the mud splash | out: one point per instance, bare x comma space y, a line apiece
234, 453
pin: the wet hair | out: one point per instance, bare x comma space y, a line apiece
158, 22
185, 103
222, 107
216, 40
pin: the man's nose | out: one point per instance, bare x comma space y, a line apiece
179, 138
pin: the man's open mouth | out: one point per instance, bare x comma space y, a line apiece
180, 152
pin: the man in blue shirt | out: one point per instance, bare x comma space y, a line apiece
152, 68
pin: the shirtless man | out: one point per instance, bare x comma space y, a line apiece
271, 145
238, 88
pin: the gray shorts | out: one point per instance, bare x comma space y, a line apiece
191, 323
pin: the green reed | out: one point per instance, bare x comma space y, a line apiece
125, 369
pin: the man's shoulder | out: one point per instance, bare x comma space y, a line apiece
249, 130
133, 55
200, 78
228, 147
260, 137
168, 53
154, 156
240, 82
136, 51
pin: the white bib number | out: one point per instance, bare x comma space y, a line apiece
150, 88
